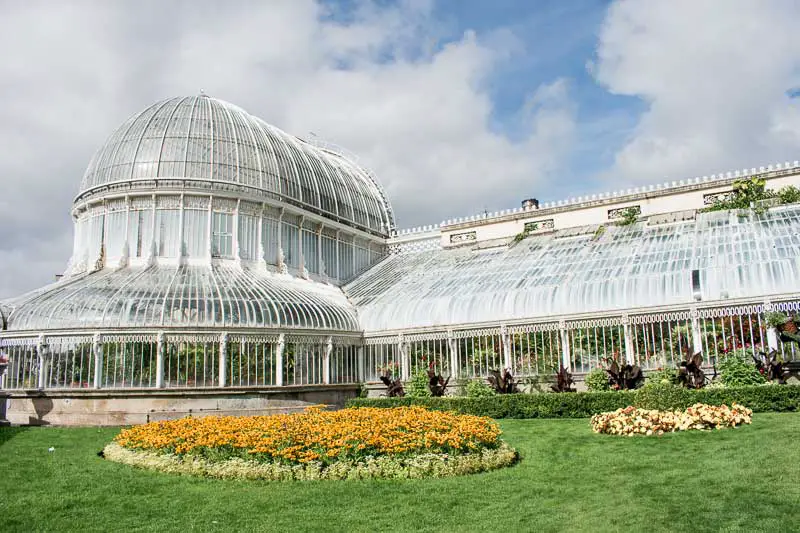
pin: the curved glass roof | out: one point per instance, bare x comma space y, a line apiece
206, 139
562, 273
186, 296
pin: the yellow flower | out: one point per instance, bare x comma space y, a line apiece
316, 434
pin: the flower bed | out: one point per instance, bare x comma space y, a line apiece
318, 444
631, 421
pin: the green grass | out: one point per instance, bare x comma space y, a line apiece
743, 479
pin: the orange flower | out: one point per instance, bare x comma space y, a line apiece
317, 435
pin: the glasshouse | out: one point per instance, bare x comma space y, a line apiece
215, 252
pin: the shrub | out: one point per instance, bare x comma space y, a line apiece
772, 366
746, 192
623, 376
394, 386
564, 381
628, 216
503, 382
631, 421
737, 369
752, 191
665, 376
437, 384
780, 398
476, 388
417, 386
597, 380
690, 372
775, 318
789, 194
662, 396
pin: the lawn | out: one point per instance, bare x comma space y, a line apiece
743, 479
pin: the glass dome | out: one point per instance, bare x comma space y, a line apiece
186, 297
196, 215
199, 139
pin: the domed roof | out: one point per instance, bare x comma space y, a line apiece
203, 139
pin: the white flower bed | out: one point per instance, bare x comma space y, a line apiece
632, 421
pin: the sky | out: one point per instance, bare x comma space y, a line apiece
458, 106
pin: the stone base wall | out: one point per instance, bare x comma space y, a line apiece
125, 407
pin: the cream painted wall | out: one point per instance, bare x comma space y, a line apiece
591, 212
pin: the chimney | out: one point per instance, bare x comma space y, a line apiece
530, 203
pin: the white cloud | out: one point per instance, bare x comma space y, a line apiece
416, 112
714, 75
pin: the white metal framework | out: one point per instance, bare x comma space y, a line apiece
179, 360
651, 339
211, 248
205, 140
219, 296
711, 258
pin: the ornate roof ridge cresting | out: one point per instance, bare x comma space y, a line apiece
617, 196
621, 195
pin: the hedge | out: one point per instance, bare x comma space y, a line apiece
759, 398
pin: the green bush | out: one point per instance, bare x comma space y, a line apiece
597, 380
737, 370
629, 216
775, 318
417, 386
478, 389
663, 396
666, 376
759, 398
789, 194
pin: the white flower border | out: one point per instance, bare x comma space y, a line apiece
381, 467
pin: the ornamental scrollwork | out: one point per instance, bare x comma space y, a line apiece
121, 338
115, 206
141, 203
539, 225
168, 202
713, 198
250, 208
196, 202
620, 212
458, 238
223, 205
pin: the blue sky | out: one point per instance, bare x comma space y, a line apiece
556, 39
559, 40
